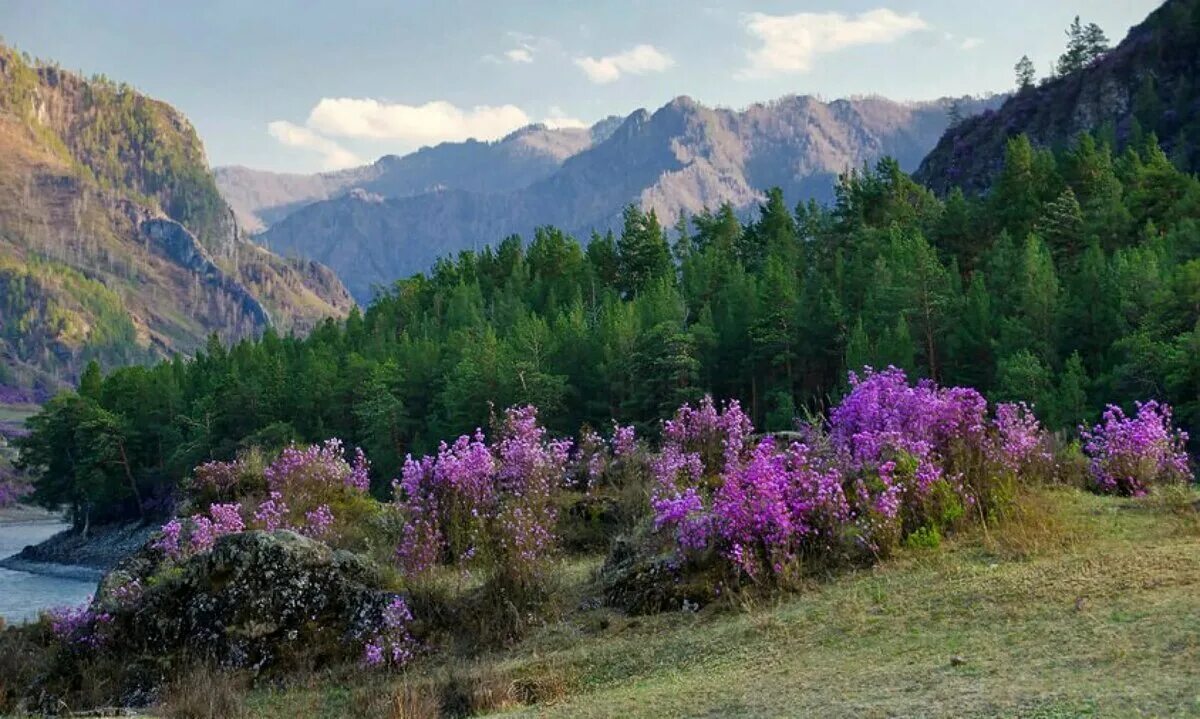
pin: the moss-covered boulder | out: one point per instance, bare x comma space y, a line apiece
256, 600
641, 577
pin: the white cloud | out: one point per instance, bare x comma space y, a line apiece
519, 55
335, 157
401, 128
558, 120
432, 122
790, 42
634, 61
970, 43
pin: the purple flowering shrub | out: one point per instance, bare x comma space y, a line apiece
478, 503
80, 628
312, 490
598, 463
391, 645
894, 459
227, 481
1128, 455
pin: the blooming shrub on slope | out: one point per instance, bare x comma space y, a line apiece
313, 490
474, 502
1128, 455
895, 459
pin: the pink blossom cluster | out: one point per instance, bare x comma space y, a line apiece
884, 416
298, 471
600, 462
80, 626
1020, 439
1130, 454
867, 477
218, 479
198, 533
699, 445
624, 440
472, 497
392, 645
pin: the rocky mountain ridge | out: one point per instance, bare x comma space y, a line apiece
1146, 84
682, 158
114, 242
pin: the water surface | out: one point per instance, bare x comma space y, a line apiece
23, 594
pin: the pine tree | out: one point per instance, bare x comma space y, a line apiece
1095, 42
642, 252
1061, 225
1070, 408
1025, 73
1076, 55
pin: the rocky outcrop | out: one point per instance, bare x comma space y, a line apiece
1145, 84
639, 576
178, 244
256, 600
102, 548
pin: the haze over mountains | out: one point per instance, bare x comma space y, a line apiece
377, 223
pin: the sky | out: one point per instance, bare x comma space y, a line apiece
316, 85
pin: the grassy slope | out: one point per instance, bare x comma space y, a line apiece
1085, 606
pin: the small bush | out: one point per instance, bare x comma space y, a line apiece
924, 538
205, 693
1131, 454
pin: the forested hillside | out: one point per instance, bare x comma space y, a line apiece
1146, 84
1073, 283
114, 242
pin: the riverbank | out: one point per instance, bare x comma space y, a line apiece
27, 588
24, 513
70, 553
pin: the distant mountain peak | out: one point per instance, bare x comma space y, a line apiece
682, 157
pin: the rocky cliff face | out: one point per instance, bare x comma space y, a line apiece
683, 157
115, 243
1145, 84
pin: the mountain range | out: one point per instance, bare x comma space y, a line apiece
114, 242
384, 221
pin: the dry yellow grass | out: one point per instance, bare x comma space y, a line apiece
1074, 606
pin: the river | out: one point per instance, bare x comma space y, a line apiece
22, 594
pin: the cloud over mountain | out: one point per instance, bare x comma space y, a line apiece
789, 43
637, 60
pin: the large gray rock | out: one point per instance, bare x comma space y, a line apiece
255, 600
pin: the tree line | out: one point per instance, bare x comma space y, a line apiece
1074, 281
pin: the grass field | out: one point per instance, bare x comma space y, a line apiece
1076, 606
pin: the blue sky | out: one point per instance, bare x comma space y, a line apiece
306, 86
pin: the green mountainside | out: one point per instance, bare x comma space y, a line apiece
114, 242
1146, 84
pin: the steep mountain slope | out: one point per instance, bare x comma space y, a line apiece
114, 242
261, 198
682, 158
1145, 84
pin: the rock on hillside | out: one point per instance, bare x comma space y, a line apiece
1145, 84
255, 600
